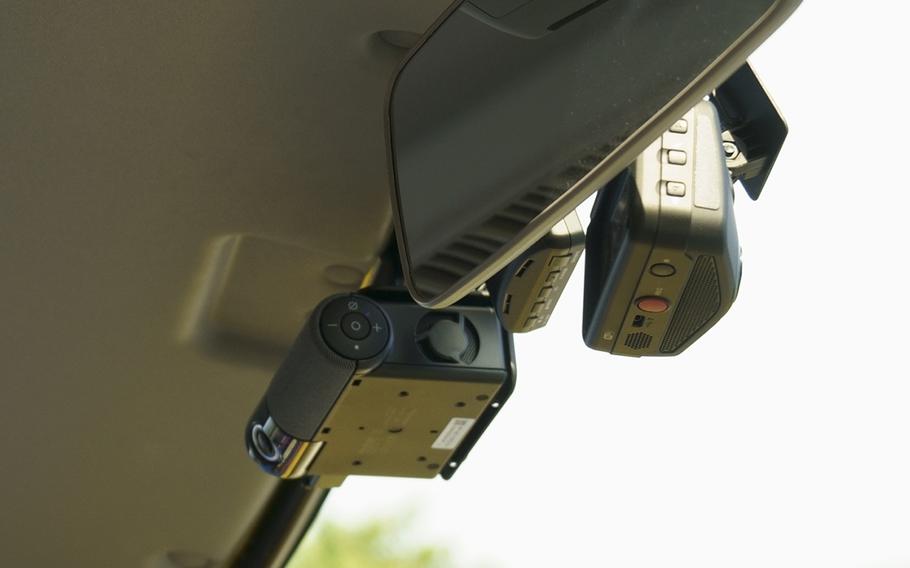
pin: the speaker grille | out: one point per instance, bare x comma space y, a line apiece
699, 303
638, 341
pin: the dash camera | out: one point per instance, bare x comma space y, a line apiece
377, 385
663, 258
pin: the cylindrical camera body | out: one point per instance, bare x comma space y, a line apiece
346, 334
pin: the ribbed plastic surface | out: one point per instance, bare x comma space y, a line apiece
307, 384
700, 302
638, 340
466, 253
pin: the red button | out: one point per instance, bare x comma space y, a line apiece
653, 304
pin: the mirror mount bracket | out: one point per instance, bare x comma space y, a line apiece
754, 129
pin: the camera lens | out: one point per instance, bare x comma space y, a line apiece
263, 444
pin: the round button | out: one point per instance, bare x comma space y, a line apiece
653, 304
355, 325
663, 270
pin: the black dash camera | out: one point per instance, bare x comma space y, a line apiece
377, 385
526, 291
663, 259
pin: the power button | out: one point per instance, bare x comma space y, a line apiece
355, 325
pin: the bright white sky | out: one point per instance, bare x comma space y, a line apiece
782, 438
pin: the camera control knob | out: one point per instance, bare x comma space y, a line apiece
355, 327
448, 338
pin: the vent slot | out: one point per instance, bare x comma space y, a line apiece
524, 268
480, 243
451, 264
468, 253
463, 254
638, 341
433, 280
575, 15
698, 305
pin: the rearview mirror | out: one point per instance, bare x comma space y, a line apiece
509, 113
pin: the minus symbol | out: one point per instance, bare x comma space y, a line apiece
331, 325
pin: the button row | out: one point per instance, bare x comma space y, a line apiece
677, 157
354, 327
538, 309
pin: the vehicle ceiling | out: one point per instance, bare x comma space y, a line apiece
179, 183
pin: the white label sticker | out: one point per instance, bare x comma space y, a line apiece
453, 434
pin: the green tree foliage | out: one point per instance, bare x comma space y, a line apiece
377, 544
